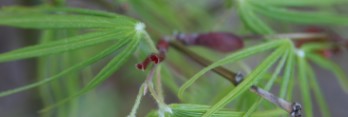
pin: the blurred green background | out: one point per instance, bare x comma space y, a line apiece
116, 96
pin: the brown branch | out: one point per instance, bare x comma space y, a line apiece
294, 109
295, 36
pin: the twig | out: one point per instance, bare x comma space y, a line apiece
294, 109
289, 36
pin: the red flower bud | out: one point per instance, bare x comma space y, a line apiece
219, 41
157, 58
142, 66
162, 47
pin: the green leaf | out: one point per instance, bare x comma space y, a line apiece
113, 65
316, 46
269, 83
230, 59
62, 45
251, 20
288, 74
72, 69
248, 81
45, 9
319, 97
304, 3
330, 66
302, 17
50, 21
304, 87
83, 12
106, 72
62, 18
192, 110
195, 110
43, 72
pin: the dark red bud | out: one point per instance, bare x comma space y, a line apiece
142, 66
219, 41
157, 58
162, 47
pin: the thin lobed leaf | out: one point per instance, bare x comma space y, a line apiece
63, 41
192, 110
55, 86
46, 68
269, 84
46, 9
72, 43
72, 80
304, 87
72, 69
300, 3
319, 97
63, 21
316, 46
291, 87
54, 65
301, 17
195, 110
248, 81
244, 101
84, 12
330, 66
288, 74
251, 20
44, 91
230, 59
105, 73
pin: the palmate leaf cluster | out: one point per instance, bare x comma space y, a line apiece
67, 31
98, 28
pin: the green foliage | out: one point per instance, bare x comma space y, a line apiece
102, 27
194, 110
62, 18
79, 38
